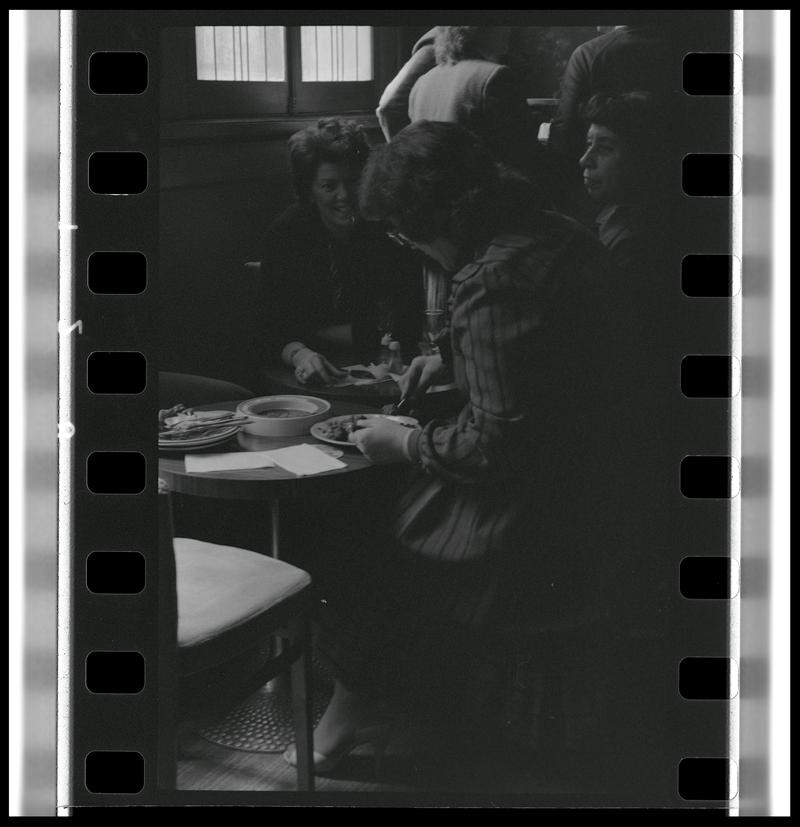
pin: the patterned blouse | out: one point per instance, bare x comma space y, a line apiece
527, 338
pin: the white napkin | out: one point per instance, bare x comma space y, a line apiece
203, 463
304, 460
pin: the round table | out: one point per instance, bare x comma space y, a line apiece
281, 379
439, 401
270, 485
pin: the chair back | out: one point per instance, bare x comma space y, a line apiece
191, 390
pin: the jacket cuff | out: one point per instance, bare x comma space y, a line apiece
412, 446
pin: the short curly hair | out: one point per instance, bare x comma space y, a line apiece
329, 141
631, 115
435, 178
454, 43
638, 119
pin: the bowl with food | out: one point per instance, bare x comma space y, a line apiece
281, 416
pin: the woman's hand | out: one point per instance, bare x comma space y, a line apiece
380, 440
420, 374
312, 368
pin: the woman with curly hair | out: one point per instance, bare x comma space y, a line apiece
333, 283
471, 86
494, 513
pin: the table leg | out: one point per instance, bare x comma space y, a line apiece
275, 520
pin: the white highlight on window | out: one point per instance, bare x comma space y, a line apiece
248, 53
336, 53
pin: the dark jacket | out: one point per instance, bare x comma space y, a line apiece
310, 281
624, 59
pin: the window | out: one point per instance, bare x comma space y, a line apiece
241, 53
259, 70
336, 53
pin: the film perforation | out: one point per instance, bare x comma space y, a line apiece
116, 372
711, 73
116, 472
117, 272
116, 673
117, 173
115, 572
118, 73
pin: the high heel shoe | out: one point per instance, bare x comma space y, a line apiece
377, 735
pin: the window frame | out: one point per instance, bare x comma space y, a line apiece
232, 99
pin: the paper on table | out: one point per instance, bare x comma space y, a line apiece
238, 461
304, 460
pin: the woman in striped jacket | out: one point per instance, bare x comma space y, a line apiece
492, 517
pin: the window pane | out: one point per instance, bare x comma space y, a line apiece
336, 53
276, 53
254, 53
223, 52
204, 47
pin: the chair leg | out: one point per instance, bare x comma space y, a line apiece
301, 705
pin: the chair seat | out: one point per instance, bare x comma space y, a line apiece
222, 587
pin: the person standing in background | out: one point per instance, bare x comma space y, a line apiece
392, 108
472, 87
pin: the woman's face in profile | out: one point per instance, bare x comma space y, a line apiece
334, 191
604, 166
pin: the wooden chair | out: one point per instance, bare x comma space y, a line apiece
217, 604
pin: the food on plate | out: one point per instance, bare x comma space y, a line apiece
339, 428
169, 413
180, 422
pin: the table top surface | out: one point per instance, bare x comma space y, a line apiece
259, 483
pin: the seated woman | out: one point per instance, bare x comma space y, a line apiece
623, 174
334, 284
498, 490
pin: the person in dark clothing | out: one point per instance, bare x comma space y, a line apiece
333, 283
627, 57
499, 490
623, 173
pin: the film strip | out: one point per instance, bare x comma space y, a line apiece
112, 696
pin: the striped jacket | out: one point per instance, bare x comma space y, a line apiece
531, 328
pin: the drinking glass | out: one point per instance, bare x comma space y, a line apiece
434, 327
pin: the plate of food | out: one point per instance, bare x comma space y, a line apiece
336, 430
184, 429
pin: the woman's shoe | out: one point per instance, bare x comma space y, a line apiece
377, 735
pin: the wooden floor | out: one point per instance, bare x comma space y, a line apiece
415, 762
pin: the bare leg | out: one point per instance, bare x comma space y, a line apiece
346, 713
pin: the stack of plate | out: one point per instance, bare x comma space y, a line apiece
194, 441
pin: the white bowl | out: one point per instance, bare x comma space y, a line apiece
282, 415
